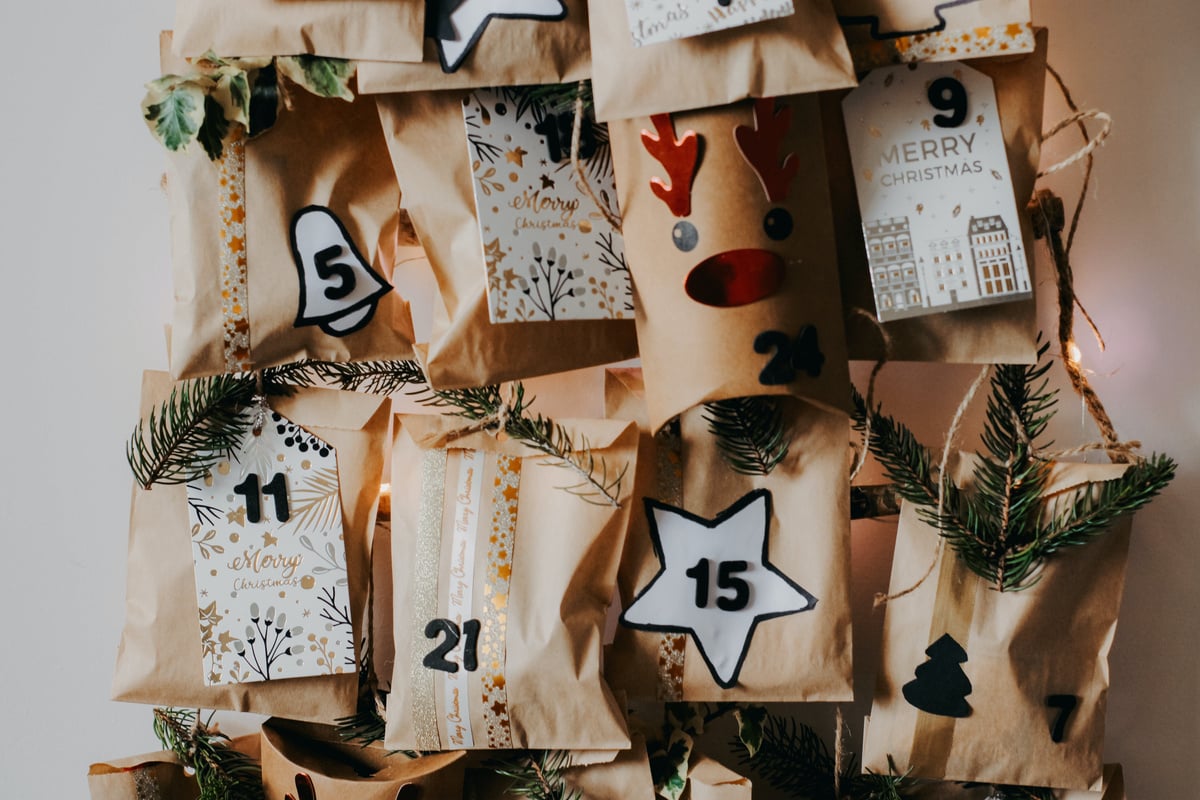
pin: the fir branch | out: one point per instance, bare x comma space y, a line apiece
750, 431
197, 426
537, 774
906, 462
373, 377
221, 772
560, 98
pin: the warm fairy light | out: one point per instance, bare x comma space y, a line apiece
1073, 354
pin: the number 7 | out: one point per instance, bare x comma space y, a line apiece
1066, 703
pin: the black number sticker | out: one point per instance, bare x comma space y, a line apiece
947, 94
726, 579
557, 128
468, 635
327, 270
790, 356
1066, 704
251, 489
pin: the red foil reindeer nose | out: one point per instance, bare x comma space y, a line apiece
735, 278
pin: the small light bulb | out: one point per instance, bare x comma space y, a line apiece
1073, 354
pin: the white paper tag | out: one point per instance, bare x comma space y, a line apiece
270, 559
939, 216
456, 690
652, 21
549, 252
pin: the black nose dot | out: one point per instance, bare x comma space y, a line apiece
685, 236
778, 224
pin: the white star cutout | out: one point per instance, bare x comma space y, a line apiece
716, 581
458, 24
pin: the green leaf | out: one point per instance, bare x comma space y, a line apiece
215, 128
669, 766
324, 77
750, 731
232, 91
174, 109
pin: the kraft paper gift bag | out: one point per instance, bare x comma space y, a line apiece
310, 762
731, 246
802, 52
1005, 333
1114, 789
1007, 688
387, 30
625, 777
153, 775
709, 779
509, 51
428, 142
162, 658
502, 579
282, 250
793, 555
891, 31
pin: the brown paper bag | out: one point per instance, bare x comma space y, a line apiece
510, 52
1114, 789
1018, 680
249, 242
800, 53
296, 755
160, 659
388, 30
702, 337
809, 542
153, 775
625, 777
896, 31
709, 779
1005, 333
505, 586
428, 142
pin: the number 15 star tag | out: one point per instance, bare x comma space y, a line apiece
716, 581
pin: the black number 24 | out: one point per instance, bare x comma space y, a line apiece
726, 579
469, 635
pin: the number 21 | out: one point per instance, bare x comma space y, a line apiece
469, 634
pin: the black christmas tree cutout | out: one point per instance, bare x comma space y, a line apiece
941, 687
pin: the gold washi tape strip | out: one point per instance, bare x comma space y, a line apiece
234, 306
492, 647
426, 565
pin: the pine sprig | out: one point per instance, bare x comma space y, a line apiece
751, 433
373, 377
222, 773
1006, 526
560, 98
537, 774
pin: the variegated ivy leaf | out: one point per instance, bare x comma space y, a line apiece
232, 92
750, 721
174, 109
671, 780
324, 77
214, 128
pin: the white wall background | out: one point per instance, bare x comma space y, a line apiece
86, 293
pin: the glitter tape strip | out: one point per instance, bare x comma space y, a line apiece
424, 598
492, 648
672, 647
234, 305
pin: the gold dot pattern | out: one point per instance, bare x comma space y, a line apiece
424, 597
672, 647
234, 309
492, 649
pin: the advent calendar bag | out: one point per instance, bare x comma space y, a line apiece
310, 762
732, 250
965, 666
890, 31
159, 774
780, 541
193, 550
689, 64
625, 777
389, 30
502, 578
1114, 789
428, 138
283, 248
508, 51
1003, 333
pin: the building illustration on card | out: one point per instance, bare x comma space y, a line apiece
549, 252
654, 21
939, 216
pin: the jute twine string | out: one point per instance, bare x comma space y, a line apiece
839, 753
495, 423
943, 468
576, 132
864, 447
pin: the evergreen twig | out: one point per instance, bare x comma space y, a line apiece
222, 773
751, 433
537, 774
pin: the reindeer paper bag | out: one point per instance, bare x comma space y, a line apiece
1004, 333
477, 339
730, 241
388, 30
965, 666
282, 248
890, 31
503, 571
198, 555
727, 575
803, 51
310, 762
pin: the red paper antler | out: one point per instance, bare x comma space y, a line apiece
680, 157
760, 147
